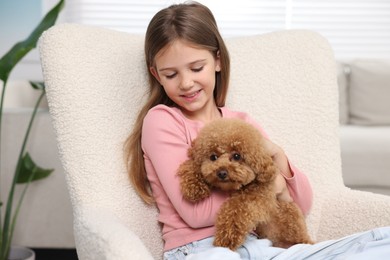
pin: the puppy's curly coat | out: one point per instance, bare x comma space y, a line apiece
228, 154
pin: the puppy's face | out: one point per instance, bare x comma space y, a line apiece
230, 155
225, 166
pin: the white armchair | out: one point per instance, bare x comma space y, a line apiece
96, 81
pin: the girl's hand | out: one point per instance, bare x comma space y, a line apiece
281, 163
281, 190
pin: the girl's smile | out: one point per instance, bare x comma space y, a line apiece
192, 96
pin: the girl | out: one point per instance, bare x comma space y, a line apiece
189, 67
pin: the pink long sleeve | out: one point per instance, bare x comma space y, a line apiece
165, 143
166, 137
300, 189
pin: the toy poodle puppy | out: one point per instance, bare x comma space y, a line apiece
228, 154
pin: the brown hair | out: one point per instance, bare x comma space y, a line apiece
194, 23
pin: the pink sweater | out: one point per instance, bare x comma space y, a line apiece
166, 136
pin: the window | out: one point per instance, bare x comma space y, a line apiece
17, 20
355, 28
133, 16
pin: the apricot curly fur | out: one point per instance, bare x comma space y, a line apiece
228, 154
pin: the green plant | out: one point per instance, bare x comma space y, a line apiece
26, 170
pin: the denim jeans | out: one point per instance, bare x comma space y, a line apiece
373, 244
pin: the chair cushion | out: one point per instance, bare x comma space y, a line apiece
365, 152
369, 92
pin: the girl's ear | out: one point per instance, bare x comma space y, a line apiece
154, 73
218, 62
218, 68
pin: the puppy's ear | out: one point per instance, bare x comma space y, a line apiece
192, 183
265, 169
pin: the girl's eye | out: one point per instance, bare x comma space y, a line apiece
236, 156
197, 69
213, 157
171, 76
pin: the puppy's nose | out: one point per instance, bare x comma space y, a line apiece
222, 174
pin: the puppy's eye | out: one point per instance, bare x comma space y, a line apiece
236, 156
213, 157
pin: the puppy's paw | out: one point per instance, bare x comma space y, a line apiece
230, 231
196, 192
193, 186
229, 242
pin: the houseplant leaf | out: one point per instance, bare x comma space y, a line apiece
20, 49
37, 85
25, 165
30, 171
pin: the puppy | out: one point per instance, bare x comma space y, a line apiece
229, 155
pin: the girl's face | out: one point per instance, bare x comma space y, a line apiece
187, 75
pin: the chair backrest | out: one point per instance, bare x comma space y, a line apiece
96, 82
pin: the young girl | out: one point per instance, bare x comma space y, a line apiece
189, 67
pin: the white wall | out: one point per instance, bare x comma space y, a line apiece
45, 219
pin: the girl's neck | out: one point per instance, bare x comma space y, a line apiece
205, 117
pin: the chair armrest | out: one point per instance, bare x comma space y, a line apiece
99, 234
349, 211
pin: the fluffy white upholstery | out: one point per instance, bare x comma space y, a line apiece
96, 82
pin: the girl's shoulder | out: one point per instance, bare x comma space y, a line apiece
162, 114
162, 110
165, 117
168, 123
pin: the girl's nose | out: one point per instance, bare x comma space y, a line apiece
186, 83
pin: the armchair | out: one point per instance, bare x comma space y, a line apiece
96, 82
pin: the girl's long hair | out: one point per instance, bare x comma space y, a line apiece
195, 24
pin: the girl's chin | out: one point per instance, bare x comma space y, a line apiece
189, 110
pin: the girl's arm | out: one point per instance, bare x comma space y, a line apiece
300, 189
291, 183
294, 183
165, 141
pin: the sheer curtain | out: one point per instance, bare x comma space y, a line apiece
355, 28
248, 17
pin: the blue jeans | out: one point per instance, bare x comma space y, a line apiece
373, 244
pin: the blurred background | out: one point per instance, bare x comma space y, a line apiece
358, 31
355, 28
